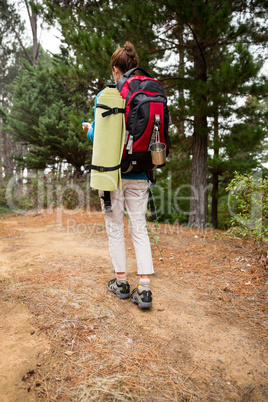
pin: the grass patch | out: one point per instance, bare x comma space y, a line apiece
4, 211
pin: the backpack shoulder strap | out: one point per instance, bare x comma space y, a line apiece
128, 74
132, 71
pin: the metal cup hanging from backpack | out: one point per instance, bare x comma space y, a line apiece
158, 149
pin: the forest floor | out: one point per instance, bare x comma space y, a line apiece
63, 336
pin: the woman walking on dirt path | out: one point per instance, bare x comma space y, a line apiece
134, 195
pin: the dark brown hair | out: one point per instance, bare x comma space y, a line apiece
125, 58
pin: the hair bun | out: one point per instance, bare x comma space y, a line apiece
129, 47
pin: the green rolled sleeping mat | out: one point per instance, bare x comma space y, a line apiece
109, 139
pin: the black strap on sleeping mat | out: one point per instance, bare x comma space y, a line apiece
110, 110
105, 169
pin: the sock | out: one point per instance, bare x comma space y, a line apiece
121, 277
144, 284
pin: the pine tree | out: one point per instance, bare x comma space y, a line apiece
92, 31
9, 65
9, 11
210, 30
42, 116
244, 137
204, 34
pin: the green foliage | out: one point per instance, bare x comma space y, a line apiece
92, 32
172, 205
3, 203
215, 65
172, 190
153, 233
5, 211
223, 216
212, 66
47, 192
10, 52
42, 116
70, 199
248, 203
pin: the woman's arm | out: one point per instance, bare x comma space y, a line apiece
90, 128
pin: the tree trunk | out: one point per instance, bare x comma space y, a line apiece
16, 32
7, 155
199, 195
33, 22
215, 175
181, 131
77, 175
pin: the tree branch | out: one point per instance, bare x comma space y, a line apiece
197, 42
16, 33
32, 18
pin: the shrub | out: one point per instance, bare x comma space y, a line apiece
248, 204
39, 191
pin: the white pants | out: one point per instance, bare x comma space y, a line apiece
134, 195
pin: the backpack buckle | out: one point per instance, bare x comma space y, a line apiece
157, 118
155, 134
130, 144
157, 122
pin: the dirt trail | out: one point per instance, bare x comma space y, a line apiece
208, 315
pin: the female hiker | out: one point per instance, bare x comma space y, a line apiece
134, 196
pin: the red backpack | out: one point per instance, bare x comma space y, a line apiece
147, 117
